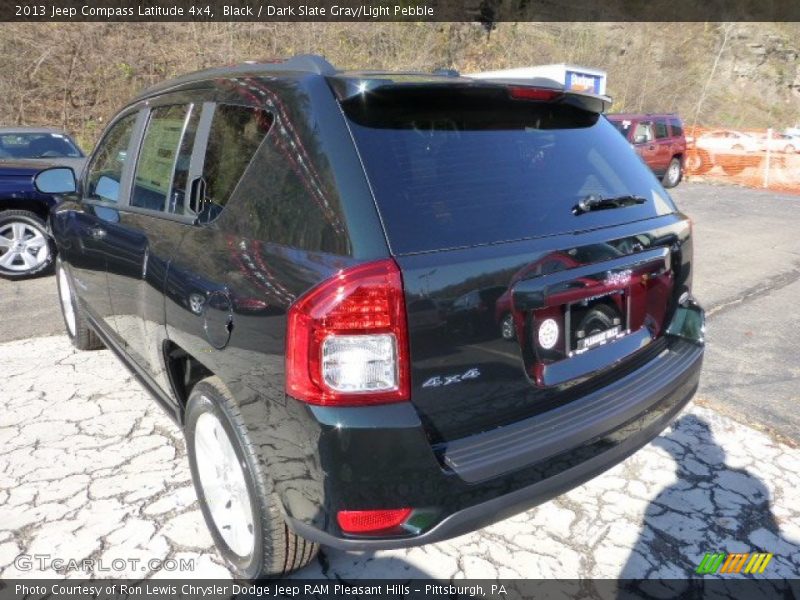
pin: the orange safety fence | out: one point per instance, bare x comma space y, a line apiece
759, 158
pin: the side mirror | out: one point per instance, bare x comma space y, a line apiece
107, 188
640, 139
58, 180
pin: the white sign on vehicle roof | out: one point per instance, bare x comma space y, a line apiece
572, 77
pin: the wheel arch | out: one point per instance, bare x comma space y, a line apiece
38, 207
184, 371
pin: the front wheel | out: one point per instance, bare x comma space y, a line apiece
25, 248
673, 175
80, 333
236, 497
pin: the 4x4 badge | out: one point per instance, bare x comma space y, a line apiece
439, 380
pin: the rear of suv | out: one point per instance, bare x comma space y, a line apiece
304, 267
659, 140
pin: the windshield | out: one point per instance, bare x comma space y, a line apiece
450, 172
622, 126
37, 145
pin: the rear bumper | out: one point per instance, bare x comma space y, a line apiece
371, 460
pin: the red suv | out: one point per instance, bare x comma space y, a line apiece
658, 139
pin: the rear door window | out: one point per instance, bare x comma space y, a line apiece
235, 135
677, 127
661, 129
458, 169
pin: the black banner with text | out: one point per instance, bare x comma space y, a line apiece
485, 11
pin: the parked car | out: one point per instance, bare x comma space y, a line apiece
337, 199
659, 139
779, 142
25, 246
472, 314
727, 141
734, 151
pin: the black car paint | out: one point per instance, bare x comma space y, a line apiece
159, 287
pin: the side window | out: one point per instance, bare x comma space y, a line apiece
661, 130
163, 165
104, 174
643, 133
677, 127
235, 135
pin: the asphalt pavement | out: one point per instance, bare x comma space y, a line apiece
747, 276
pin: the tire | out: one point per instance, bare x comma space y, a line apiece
26, 250
507, 329
244, 519
732, 168
79, 332
698, 162
674, 173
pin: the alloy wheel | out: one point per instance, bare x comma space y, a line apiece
223, 483
23, 247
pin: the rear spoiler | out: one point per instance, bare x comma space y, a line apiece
537, 89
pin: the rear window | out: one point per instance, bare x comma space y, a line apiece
453, 168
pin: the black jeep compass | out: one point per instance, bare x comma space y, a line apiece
386, 308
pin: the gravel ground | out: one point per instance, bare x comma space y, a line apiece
90, 467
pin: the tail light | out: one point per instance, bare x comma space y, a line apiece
347, 339
371, 521
534, 93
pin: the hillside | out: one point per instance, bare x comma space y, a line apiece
740, 75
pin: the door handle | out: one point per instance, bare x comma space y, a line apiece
97, 233
652, 147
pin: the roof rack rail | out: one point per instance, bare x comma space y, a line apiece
310, 62
446, 72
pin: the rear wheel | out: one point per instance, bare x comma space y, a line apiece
25, 248
673, 175
732, 168
79, 331
238, 502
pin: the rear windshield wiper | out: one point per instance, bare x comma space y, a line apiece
596, 202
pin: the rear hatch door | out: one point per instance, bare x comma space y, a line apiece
480, 193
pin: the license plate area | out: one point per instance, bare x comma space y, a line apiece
595, 321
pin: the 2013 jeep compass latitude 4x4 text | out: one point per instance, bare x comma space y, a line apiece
304, 266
